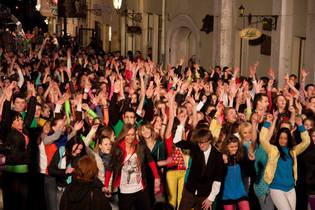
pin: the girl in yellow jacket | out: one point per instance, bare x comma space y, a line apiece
281, 168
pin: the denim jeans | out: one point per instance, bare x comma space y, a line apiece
51, 193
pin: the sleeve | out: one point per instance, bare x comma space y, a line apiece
162, 151
92, 113
6, 116
169, 146
248, 113
151, 163
214, 190
306, 140
68, 111
184, 145
30, 112
113, 110
108, 175
21, 78
178, 134
218, 178
105, 117
53, 169
99, 112
215, 128
264, 139
149, 111
49, 139
269, 100
199, 106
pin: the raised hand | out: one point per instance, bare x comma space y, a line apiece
269, 118
299, 107
31, 88
275, 115
286, 77
271, 73
303, 73
181, 61
255, 119
191, 100
78, 125
236, 70
85, 107
298, 120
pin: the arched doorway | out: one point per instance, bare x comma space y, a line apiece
183, 45
182, 40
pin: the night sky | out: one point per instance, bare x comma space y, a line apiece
25, 11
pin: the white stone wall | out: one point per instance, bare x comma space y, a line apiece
183, 21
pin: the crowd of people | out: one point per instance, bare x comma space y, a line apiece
84, 129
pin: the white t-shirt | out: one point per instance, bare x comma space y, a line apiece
131, 178
42, 158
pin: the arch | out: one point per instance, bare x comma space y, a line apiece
182, 39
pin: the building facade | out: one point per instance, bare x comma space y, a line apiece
171, 29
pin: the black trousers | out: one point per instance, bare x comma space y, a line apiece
15, 191
138, 201
189, 201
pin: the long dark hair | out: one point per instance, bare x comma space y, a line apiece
117, 152
290, 142
69, 145
232, 139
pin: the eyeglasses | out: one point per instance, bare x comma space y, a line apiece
203, 142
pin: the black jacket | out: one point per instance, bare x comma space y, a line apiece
18, 152
83, 196
60, 174
201, 176
309, 167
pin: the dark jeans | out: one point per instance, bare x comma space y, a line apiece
140, 200
51, 193
15, 191
189, 201
36, 191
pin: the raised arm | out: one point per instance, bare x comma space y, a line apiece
31, 106
171, 116
303, 74
306, 140
265, 134
142, 92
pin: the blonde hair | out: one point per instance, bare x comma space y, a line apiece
242, 127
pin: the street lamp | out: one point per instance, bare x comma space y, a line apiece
117, 4
242, 10
269, 21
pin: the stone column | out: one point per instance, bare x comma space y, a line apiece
309, 59
282, 39
223, 32
123, 35
162, 47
